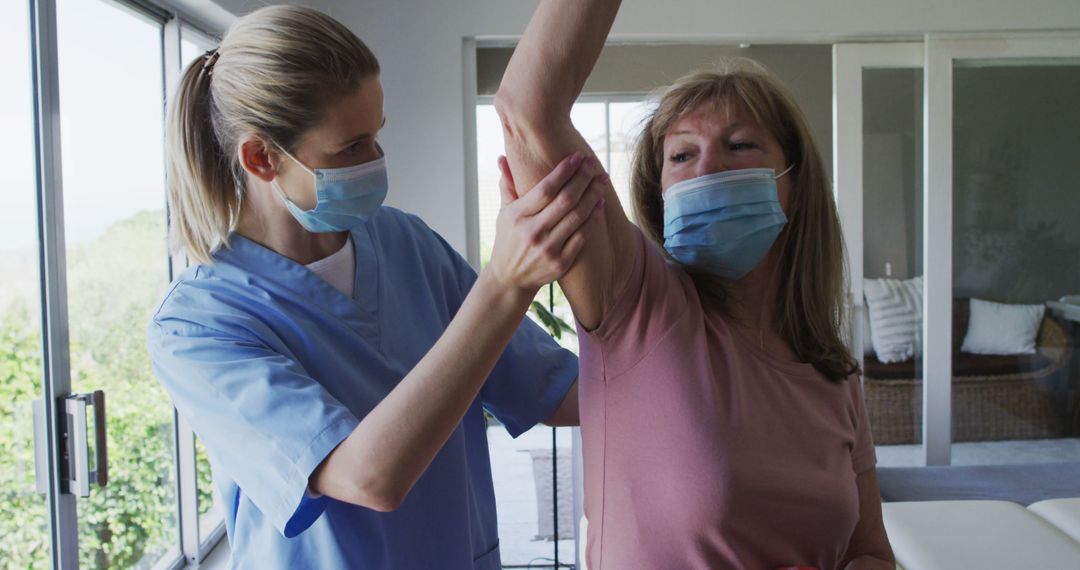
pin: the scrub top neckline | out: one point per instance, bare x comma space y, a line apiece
361, 311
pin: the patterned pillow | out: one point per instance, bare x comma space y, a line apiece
895, 309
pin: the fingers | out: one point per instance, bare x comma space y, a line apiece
551, 186
576, 243
581, 212
507, 190
569, 196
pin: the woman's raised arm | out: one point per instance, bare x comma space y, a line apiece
546, 74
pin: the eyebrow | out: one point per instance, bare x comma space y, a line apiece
732, 127
362, 137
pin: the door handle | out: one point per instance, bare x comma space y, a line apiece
80, 473
77, 473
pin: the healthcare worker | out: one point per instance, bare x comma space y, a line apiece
334, 355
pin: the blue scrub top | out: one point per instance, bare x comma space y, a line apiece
274, 367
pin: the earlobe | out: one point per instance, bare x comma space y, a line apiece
256, 158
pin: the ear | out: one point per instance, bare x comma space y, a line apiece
259, 158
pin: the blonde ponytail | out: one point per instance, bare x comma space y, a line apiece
204, 192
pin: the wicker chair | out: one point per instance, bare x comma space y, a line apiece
993, 397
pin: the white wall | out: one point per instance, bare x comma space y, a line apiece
419, 43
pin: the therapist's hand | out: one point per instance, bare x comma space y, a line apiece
538, 236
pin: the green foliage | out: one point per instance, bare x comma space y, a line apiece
555, 326
113, 285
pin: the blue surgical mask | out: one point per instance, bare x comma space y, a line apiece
725, 222
344, 197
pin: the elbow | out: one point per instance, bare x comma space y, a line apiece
386, 504
511, 115
508, 106
522, 117
379, 494
354, 478
368, 490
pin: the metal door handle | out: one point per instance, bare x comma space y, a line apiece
76, 469
79, 472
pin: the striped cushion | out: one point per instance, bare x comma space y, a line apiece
895, 309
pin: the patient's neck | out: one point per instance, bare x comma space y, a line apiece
752, 304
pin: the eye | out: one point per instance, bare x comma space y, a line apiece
680, 157
357, 147
742, 145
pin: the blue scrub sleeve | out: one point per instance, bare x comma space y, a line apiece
266, 423
530, 380
532, 376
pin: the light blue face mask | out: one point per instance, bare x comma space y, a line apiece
344, 197
725, 222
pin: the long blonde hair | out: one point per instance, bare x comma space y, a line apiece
810, 312
273, 76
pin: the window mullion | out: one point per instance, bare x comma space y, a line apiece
56, 369
184, 437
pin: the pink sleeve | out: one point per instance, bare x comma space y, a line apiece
653, 299
863, 457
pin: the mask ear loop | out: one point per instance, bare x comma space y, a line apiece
274, 182
301, 164
786, 170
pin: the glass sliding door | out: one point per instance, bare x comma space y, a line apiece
1015, 252
878, 152
110, 70
979, 204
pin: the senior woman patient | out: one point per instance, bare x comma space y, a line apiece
722, 416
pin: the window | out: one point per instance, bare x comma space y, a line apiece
101, 98
114, 222
534, 492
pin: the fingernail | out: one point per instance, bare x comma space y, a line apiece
594, 162
605, 179
575, 159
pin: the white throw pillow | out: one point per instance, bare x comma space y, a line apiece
996, 328
895, 309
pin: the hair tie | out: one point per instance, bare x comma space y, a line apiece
209, 59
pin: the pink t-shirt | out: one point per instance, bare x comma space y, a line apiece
701, 450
